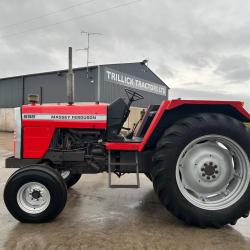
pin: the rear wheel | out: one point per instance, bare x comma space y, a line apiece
69, 178
201, 170
35, 194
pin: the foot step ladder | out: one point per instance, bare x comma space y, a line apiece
110, 164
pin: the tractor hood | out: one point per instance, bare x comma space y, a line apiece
64, 115
37, 124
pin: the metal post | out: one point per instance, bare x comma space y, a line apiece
23, 90
137, 169
70, 80
88, 57
88, 47
41, 95
109, 167
99, 84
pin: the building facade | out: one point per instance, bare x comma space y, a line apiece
103, 83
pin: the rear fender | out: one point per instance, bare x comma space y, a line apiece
172, 111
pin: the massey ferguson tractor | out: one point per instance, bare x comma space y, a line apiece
196, 153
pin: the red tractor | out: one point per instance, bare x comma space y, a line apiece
195, 152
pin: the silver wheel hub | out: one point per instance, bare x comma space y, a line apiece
33, 197
212, 172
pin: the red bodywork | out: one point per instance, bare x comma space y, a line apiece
169, 105
37, 133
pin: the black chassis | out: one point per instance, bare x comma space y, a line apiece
77, 162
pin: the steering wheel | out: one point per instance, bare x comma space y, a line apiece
133, 96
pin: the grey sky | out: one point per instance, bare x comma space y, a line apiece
201, 49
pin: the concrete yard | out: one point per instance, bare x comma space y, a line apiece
97, 217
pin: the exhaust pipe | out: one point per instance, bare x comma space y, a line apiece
70, 81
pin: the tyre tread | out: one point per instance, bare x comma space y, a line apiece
169, 140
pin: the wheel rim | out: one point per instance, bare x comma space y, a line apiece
65, 174
33, 197
213, 172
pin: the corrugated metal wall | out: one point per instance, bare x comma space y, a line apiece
14, 91
11, 93
53, 87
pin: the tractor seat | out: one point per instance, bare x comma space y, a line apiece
117, 114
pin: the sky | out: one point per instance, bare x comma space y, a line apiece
200, 49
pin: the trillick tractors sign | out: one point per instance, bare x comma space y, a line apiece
127, 80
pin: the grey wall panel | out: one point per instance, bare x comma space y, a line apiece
53, 87
111, 91
11, 92
85, 88
137, 69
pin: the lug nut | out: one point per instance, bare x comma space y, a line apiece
213, 176
215, 166
210, 163
203, 175
208, 178
216, 171
202, 169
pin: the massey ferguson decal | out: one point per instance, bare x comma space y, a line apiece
64, 117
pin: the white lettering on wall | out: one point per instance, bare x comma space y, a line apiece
126, 80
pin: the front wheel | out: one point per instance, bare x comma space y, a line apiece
35, 194
201, 170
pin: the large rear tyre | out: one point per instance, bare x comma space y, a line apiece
201, 170
69, 178
35, 194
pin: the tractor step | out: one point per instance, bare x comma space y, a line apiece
136, 164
